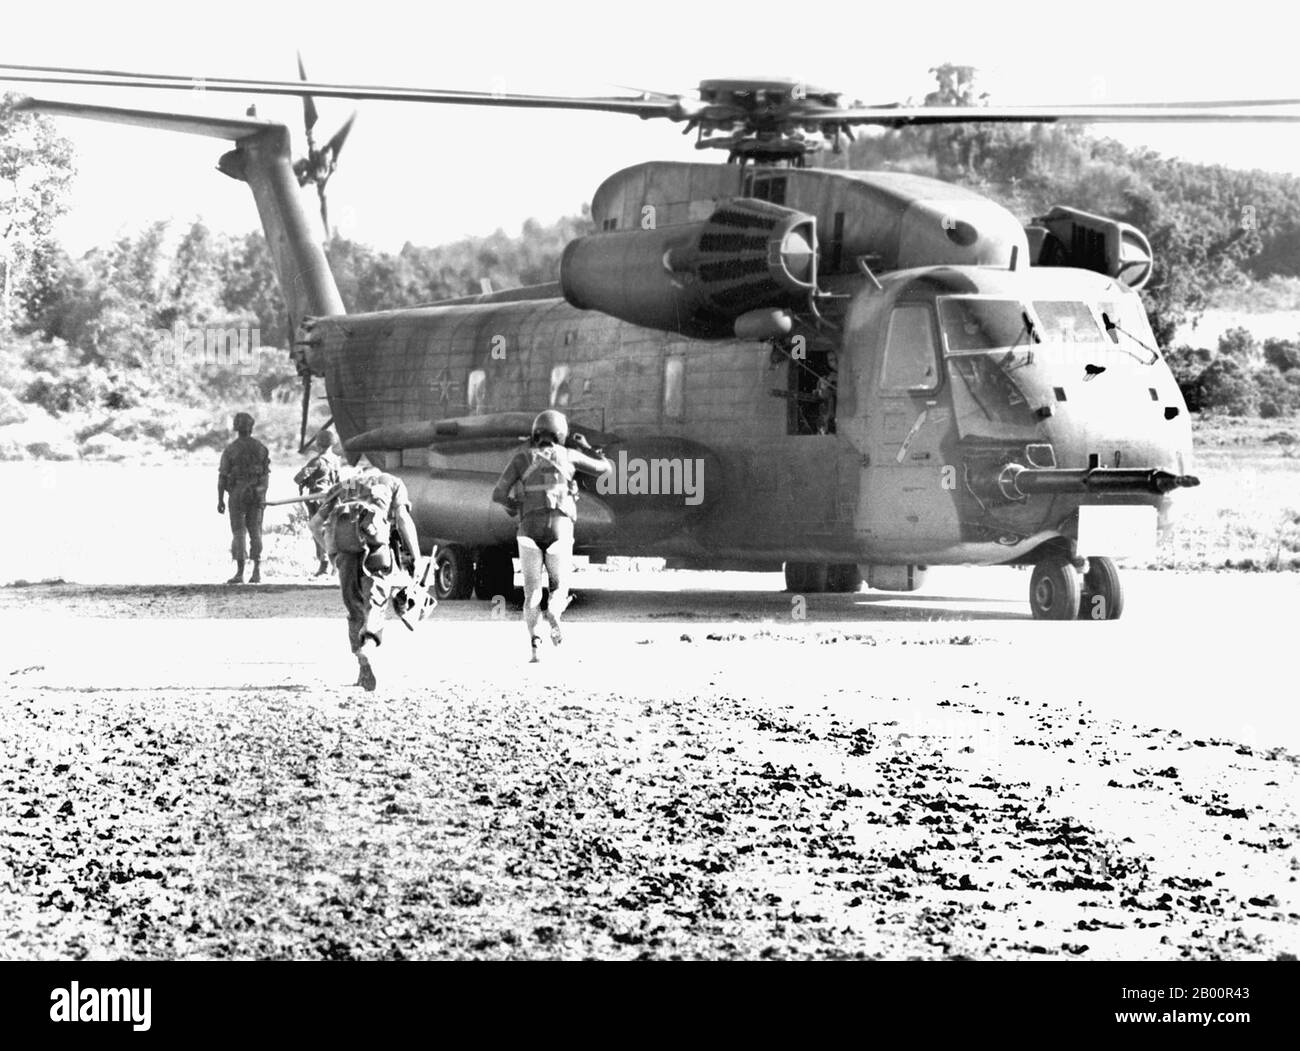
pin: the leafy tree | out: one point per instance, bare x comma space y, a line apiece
1226, 386
1277, 397
1187, 364
1239, 344
1282, 354
35, 168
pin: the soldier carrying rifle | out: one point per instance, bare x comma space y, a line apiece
364, 524
317, 476
243, 475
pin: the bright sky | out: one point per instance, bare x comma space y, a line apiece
429, 174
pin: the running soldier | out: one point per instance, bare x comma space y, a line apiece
359, 523
244, 474
318, 476
540, 485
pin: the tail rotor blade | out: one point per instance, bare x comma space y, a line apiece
335, 145
309, 114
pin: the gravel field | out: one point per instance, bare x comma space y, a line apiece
184, 774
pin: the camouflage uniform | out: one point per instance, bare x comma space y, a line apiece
318, 476
365, 593
244, 473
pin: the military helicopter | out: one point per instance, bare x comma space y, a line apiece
849, 375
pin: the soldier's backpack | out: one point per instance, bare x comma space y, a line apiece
548, 483
359, 521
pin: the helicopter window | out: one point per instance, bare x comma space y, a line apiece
560, 386
769, 188
476, 391
674, 387
1068, 322
910, 360
1126, 322
971, 324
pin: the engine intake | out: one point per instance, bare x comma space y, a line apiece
698, 278
1069, 237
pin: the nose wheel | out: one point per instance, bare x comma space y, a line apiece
1058, 591
1103, 595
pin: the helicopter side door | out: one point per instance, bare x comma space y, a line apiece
908, 491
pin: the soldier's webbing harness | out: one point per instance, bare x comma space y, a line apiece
359, 520
548, 483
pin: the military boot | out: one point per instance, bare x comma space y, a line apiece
323, 568
238, 578
365, 674
256, 578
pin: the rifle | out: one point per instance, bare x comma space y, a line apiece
304, 498
414, 601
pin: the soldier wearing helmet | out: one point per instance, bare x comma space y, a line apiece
243, 475
540, 486
360, 522
317, 476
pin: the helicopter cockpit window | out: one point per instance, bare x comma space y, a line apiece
1067, 322
911, 363
971, 324
1125, 321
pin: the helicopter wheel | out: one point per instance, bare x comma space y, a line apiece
1103, 594
1055, 590
494, 574
453, 576
806, 577
844, 578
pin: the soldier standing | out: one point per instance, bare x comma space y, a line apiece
826, 393
244, 474
540, 486
319, 475
357, 522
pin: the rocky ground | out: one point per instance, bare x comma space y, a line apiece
184, 774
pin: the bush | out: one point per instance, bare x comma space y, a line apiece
1277, 397
1226, 387
1187, 364
1240, 345
1282, 354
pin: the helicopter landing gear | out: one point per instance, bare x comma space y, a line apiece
1055, 589
494, 574
844, 578
453, 573
1103, 594
807, 578
811, 578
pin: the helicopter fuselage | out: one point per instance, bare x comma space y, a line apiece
750, 466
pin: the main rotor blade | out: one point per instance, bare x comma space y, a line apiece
1127, 113
675, 109
680, 109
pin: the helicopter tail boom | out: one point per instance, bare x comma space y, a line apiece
262, 159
